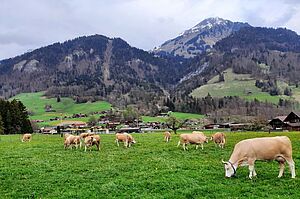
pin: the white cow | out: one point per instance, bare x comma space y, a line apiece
192, 138
246, 152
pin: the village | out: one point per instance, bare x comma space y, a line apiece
110, 125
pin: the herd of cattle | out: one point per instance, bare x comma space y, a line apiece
245, 152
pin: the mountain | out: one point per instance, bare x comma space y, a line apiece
200, 38
88, 68
264, 53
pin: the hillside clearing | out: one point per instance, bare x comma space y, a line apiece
241, 85
35, 103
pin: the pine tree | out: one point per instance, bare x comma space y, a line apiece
1, 125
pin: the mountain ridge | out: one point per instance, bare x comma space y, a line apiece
199, 38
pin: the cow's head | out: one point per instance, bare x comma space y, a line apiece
133, 141
206, 139
230, 170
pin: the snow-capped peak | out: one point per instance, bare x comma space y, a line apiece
206, 24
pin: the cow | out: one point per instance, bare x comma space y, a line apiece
193, 138
246, 152
26, 137
83, 136
219, 139
167, 137
66, 135
91, 140
72, 140
126, 138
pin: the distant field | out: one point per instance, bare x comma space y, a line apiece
241, 85
150, 169
178, 115
35, 102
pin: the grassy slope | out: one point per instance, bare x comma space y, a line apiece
35, 102
150, 169
178, 115
239, 85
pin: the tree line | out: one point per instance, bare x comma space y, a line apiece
14, 118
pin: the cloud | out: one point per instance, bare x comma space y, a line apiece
142, 23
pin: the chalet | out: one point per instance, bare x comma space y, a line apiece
130, 130
73, 124
278, 122
48, 130
211, 126
292, 122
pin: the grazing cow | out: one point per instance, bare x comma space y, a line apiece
66, 135
89, 141
167, 136
246, 152
126, 138
72, 140
26, 137
219, 139
83, 136
194, 138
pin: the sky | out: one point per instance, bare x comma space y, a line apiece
29, 24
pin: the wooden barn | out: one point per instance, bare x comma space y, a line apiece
290, 122
278, 122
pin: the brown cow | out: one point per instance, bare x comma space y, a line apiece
66, 135
126, 138
26, 137
89, 141
219, 139
83, 136
194, 138
72, 140
246, 152
167, 136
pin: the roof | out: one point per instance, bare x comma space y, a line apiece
293, 124
70, 122
281, 118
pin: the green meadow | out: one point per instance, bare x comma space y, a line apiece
242, 85
149, 169
35, 103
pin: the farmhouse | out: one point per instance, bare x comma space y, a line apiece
290, 122
278, 122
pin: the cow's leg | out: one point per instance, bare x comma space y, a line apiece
252, 172
202, 146
291, 163
197, 146
184, 146
126, 143
85, 148
178, 144
117, 142
281, 169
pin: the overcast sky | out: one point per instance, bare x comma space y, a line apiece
30, 24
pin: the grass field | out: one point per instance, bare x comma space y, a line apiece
150, 169
241, 85
178, 115
35, 103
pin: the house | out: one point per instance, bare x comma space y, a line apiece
290, 122
73, 124
278, 122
